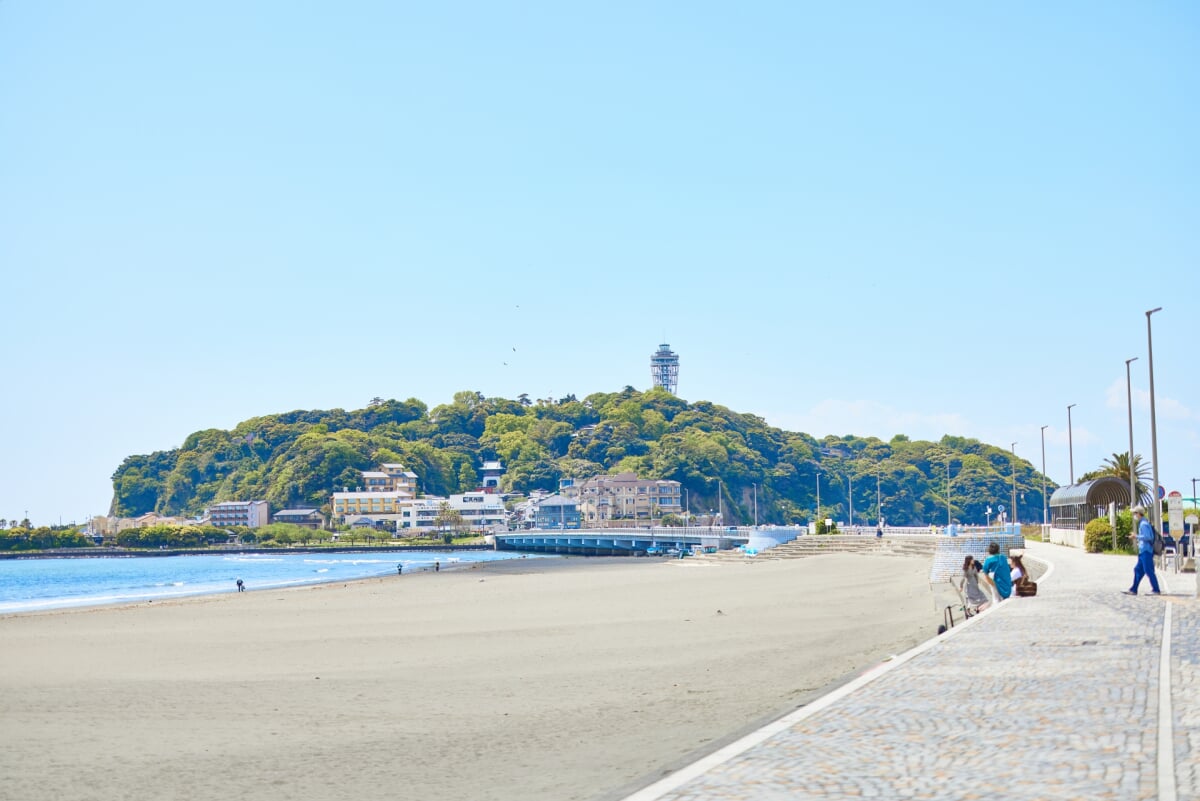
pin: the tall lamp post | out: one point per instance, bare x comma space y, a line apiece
1071, 443
1045, 511
1129, 404
879, 502
818, 495
687, 515
948, 521
1153, 427
1015, 517
755, 485
850, 479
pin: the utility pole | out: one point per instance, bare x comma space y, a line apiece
948, 489
1014, 469
1045, 513
1071, 442
850, 479
1157, 518
819, 495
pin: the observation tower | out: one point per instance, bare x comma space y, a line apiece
664, 368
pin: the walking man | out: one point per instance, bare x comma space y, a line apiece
1145, 562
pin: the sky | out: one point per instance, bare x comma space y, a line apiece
846, 218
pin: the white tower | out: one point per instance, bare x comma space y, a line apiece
664, 368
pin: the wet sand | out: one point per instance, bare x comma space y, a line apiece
530, 680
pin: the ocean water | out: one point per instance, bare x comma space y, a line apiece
28, 585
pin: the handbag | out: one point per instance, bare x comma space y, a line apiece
1027, 589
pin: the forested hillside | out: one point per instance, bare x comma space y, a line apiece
298, 458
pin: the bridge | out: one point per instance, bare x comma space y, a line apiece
625, 541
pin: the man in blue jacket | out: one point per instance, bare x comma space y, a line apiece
996, 568
1145, 543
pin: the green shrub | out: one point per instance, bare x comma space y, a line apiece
1097, 536
1124, 529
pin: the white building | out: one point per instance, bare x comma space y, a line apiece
481, 511
253, 514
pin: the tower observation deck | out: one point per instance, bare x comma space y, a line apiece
664, 368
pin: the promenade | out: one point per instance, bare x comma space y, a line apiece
1079, 693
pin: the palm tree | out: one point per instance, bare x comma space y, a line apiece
1118, 465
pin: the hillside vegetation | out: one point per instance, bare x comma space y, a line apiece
298, 458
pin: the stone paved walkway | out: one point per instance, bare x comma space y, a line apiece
1053, 697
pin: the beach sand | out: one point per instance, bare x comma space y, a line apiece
531, 680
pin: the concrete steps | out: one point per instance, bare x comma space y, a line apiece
802, 547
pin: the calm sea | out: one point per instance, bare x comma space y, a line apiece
32, 584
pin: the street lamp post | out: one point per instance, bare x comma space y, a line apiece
850, 479
1071, 443
1015, 517
1153, 427
687, 515
818, 495
948, 488
1129, 405
755, 485
879, 502
1045, 512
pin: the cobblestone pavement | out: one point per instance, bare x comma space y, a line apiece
1053, 697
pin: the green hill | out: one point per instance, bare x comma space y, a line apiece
298, 458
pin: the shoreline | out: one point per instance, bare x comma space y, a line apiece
115, 552
538, 680
63, 604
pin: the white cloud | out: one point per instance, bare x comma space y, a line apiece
1168, 408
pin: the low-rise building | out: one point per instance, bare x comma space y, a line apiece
309, 518
479, 511
401, 480
625, 497
557, 511
101, 526
374, 504
252, 514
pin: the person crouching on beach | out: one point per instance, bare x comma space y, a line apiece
1145, 562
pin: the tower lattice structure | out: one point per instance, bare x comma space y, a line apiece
664, 368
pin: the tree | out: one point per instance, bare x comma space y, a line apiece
448, 518
468, 479
1118, 465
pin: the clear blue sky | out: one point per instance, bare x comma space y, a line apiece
847, 218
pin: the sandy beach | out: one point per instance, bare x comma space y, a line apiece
532, 680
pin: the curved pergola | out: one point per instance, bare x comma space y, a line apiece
1075, 505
